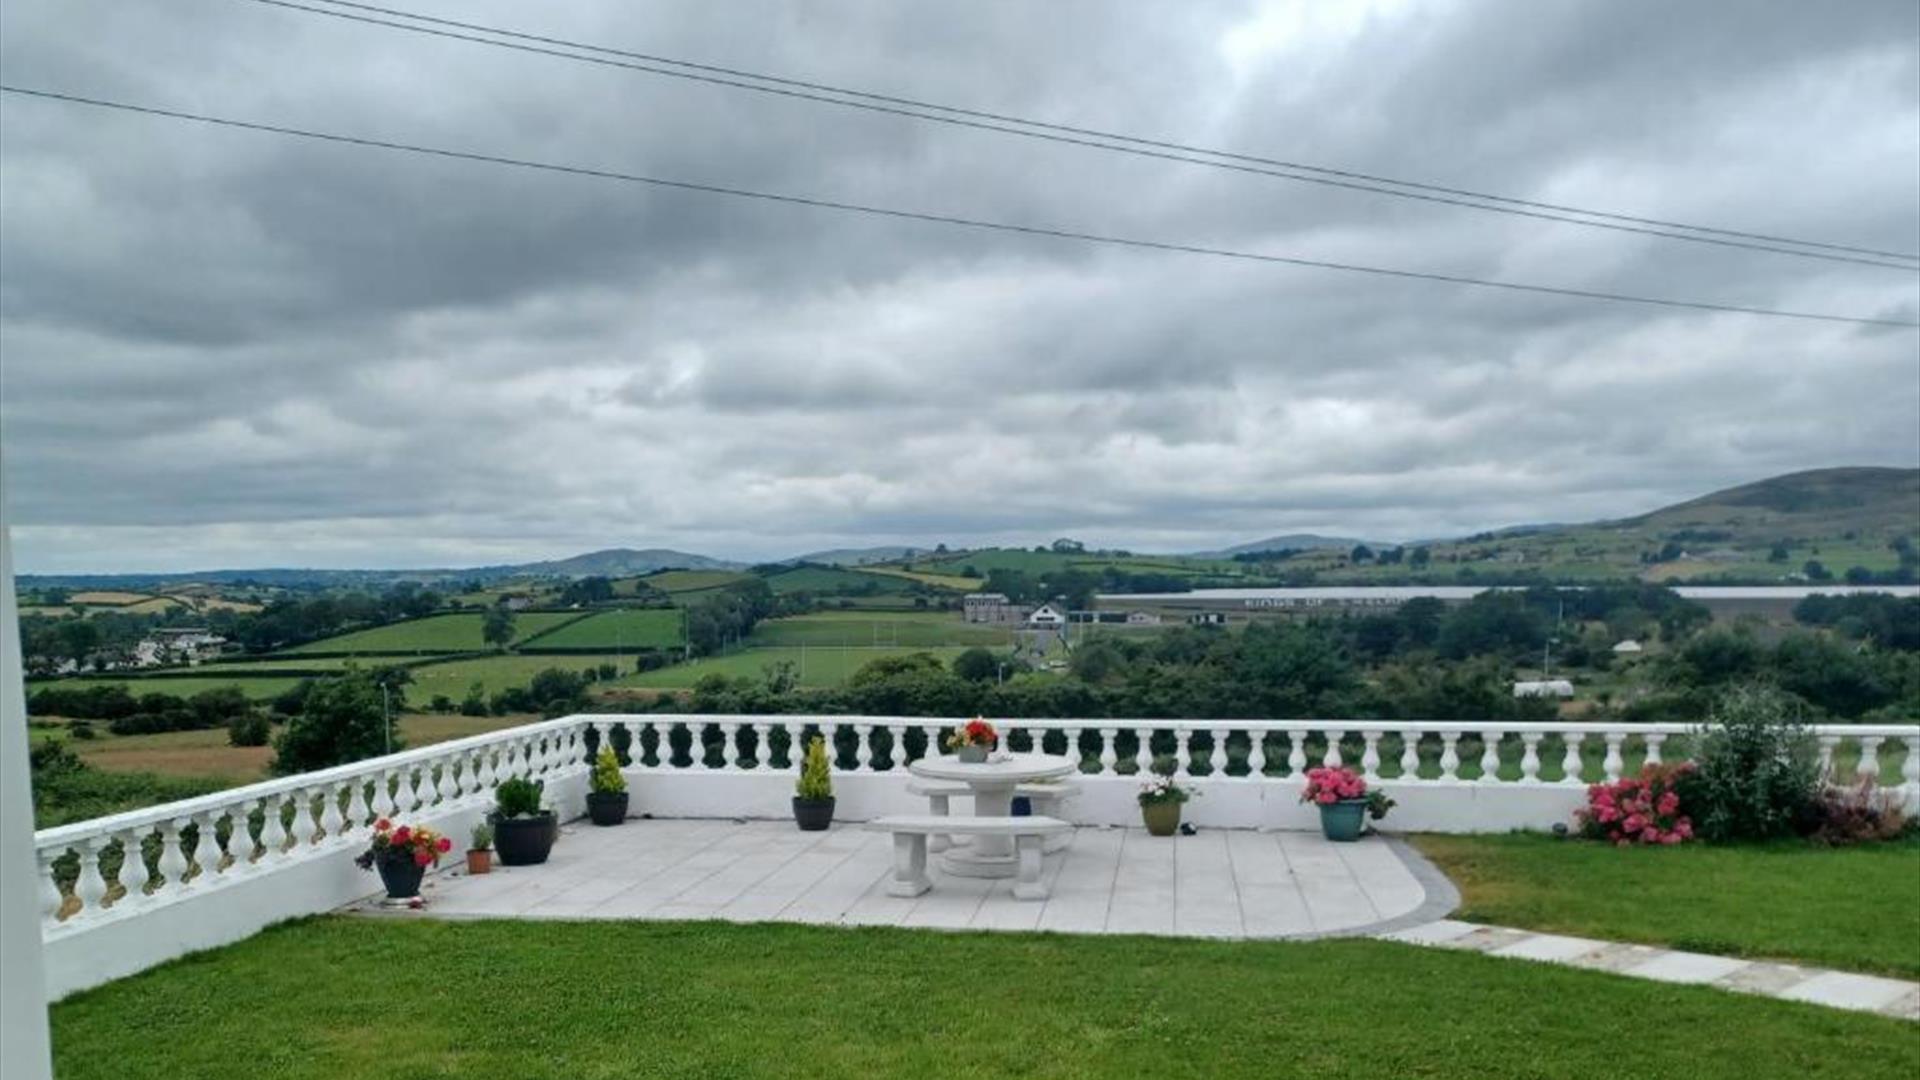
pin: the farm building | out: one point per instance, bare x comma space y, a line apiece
1550, 688
991, 608
1047, 617
1628, 647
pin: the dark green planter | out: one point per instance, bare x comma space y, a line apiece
812, 815
401, 877
1162, 818
525, 841
607, 807
1345, 820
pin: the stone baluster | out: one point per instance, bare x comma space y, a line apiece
1868, 770
1109, 751
91, 886
357, 805
1217, 759
1370, 755
1828, 744
1182, 757
1450, 755
173, 854
207, 857
303, 827
796, 744
730, 746
1142, 751
383, 784
332, 821
863, 747
489, 776
1409, 755
1653, 741
1530, 756
896, 748
833, 745
1296, 752
133, 867
273, 831
1614, 762
1334, 759
1256, 753
1570, 764
50, 899
241, 848
404, 799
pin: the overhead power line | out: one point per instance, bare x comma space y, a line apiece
940, 218
1102, 140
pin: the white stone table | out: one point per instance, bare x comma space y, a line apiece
992, 783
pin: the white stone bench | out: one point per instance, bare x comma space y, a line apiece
1045, 798
910, 847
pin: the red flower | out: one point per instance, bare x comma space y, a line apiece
402, 834
382, 825
422, 858
444, 844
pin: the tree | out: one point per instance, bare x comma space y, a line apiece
976, 665
1361, 553
1420, 558
1816, 571
343, 720
497, 628
77, 638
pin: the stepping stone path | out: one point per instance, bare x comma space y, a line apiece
1897, 998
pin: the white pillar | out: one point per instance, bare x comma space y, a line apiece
23, 987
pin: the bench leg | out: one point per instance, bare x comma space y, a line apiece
1028, 885
1049, 806
937, 806
909, 865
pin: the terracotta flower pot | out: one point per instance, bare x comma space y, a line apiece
480, 861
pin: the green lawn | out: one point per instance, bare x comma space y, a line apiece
1854, 908
352, 997
492, 673
872, 628
259, 688
817, 667
434, 634
628, 628
834, 581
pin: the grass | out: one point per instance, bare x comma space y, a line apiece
630, 628
940, 581
493, 673
259, 688
350, 997
433, 634
1856, 909
834, 581
869, 628
678, 581
818, 667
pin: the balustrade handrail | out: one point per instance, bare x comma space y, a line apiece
225, 799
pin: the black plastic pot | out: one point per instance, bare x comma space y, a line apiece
607, 807
401, 877
525, 841
812, 815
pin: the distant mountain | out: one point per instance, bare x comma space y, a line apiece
612, 562
1817, 502
858, 556
1295, 541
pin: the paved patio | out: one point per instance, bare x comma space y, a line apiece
1217, 883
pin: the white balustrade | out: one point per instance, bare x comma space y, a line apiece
1449, 755
1370, 756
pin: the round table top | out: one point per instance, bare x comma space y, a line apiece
1011, 769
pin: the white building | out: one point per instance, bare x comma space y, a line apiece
1047, 617
1628, 647
1142, 618
1553, 688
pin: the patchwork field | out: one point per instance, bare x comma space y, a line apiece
624, 628
818, 667
939, 581
831, 581
434, 634
493, 673
679, 581
874, 629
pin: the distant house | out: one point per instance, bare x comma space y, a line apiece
1142, 618
991, 608
178, 645
1047, 617
1208, 618
1550, 688
1629, 647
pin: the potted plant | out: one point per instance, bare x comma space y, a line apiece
607, 801
972, 740
402, 856
1160, 800
480, 851
1344, 801
813, 792
522, 832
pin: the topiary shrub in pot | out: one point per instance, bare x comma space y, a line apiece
607, 801
813, 792
522, 832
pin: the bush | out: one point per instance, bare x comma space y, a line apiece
606, 779
816, 781
1859, 814
518, 797
1645, 809
82, 729
248, 729
343, 720
1758, 770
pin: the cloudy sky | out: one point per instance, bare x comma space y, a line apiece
224, 348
